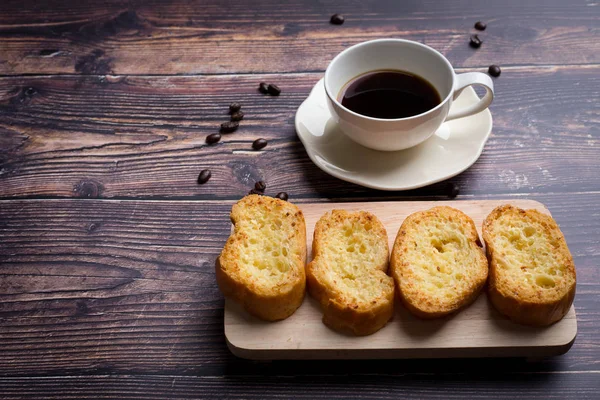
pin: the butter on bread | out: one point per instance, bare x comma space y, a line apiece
438, 262
262, 265
532, 274
348, 273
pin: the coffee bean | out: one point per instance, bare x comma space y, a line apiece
282, 195
204, 176
254, 191
260, 186
480, 26
494, 70
263, 88
228, 127
259, 144
453, 190
337, 19
237, 116
274, 90
234, 107
475, 42
213, 138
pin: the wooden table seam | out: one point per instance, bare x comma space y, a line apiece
514, 67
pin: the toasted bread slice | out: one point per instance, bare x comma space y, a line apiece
262, 265
438, 262
532, 274
348, 273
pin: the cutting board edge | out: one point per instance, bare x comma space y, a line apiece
525, 351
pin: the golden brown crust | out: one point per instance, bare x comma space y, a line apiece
335, 275
429, 283
513, 291
267, 296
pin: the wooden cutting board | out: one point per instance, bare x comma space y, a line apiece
477, 331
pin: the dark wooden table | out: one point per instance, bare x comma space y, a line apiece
107, 243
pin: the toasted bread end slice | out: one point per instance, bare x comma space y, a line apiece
262, 265
348, 273
437, 262
532, 273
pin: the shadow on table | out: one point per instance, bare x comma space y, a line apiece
378, 378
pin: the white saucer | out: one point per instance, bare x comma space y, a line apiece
453, 148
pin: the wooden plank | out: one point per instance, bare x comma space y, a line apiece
192, 37
128, 286
484, 384
477, 331
128, 137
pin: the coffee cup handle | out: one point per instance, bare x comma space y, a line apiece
468, 79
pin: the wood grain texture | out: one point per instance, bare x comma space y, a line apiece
117, 299
198, 37
144, 137
100, 286
475, 331
308, 385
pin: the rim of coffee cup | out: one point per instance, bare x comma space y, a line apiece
404, 41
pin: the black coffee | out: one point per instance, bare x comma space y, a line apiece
389, 94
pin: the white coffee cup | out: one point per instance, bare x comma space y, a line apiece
409, 56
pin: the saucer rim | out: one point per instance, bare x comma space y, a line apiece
362, 182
